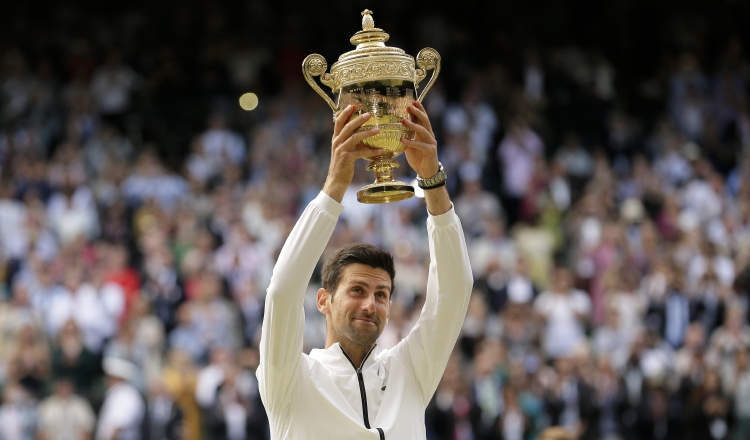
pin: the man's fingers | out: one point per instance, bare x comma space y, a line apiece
353, 125
423, 132
341, 120
418, 110
358, 137
418, 145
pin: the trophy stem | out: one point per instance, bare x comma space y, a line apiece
383, 167
385, 189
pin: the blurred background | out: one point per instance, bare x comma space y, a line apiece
599, 159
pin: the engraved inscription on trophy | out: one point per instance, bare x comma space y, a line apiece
387, 107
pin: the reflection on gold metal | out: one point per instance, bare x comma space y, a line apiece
249, 101
383, 81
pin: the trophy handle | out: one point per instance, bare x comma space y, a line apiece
315, 65
427, 59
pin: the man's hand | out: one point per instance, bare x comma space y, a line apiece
346, 147
421, 154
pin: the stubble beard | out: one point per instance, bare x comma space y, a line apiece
363, 337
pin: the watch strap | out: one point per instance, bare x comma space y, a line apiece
435, 181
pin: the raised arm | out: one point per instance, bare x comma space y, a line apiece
450, 281
284, 318
431, 341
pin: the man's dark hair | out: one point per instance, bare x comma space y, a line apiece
361, 253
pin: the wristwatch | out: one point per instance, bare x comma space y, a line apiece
435, 181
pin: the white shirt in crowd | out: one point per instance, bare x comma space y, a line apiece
520, 289
17, 421
209, 393
563, 330
223, 145
74, 217
517, 154
95, 312
576, 160
12, 217
123, 410
167, 189
111, 88
722, 265
701, 198
64, 419
476, 119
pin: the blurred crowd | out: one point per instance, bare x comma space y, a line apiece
141, 212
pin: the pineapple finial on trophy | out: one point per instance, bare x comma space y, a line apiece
368, 23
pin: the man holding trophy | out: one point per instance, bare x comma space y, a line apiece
347, 390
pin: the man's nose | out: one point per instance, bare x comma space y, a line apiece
368, 304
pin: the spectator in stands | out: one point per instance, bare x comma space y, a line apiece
123, 414
29, 363
518, 152
71, 359
18, 419
564, 311
179, 380
223, 391
80, 302
65, 415
165, 418
112, 86
475, 206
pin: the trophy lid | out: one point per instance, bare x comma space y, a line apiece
370, 40
372, 61
369, 33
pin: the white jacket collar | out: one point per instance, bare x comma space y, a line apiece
333, 357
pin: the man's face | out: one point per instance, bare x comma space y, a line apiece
360, 307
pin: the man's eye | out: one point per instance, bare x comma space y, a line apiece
381, 294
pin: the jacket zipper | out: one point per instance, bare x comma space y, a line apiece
362, 392
364, 397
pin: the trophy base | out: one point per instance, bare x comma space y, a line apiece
385, 192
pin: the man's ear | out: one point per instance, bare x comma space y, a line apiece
323, 303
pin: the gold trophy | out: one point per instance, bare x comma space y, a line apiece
383, 81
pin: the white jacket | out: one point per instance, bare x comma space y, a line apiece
323, 396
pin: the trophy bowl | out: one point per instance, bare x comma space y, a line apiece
383, 81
